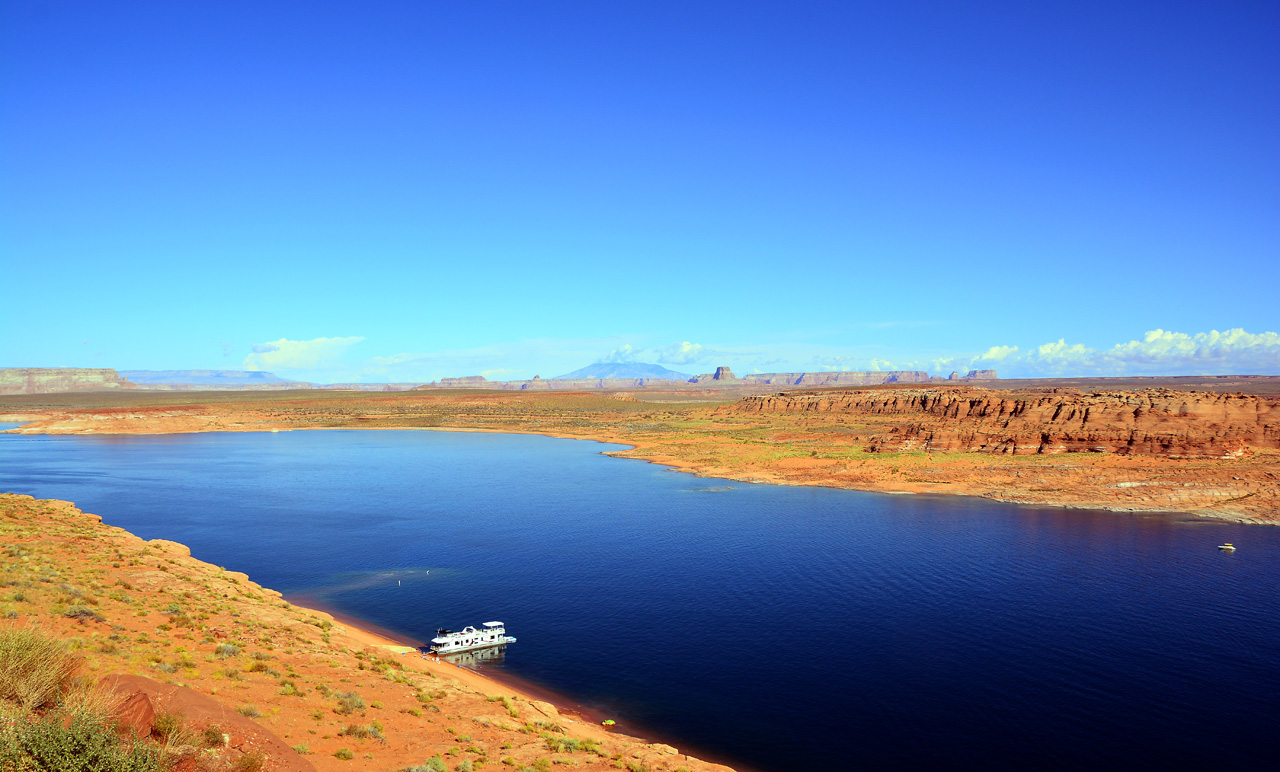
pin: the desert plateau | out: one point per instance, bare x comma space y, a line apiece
1168, 445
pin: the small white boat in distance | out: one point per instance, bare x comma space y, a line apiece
493, 634
1227, 547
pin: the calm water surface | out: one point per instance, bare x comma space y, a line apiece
775, 627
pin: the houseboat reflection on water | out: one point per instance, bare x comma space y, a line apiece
476, 657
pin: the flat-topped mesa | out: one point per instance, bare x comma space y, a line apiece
1153, 422
52, 380
467, 382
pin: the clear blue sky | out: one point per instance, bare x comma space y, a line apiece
403, 191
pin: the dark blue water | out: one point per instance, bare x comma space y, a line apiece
780, 628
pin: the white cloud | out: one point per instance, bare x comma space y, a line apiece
848, 363
997, 353
623, 353
509, 360
285, 354
1160, 352
683, 353
1211, 349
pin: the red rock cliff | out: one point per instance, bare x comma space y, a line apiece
1151, 422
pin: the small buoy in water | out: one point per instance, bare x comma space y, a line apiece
1228, 547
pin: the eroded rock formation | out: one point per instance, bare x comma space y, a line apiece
50, 380
1155, 422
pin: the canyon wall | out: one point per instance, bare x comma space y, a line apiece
51, 380
1154, 422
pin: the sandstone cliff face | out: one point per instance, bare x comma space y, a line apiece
50, 380
1155, 422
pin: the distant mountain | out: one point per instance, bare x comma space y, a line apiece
202, 377
624, 370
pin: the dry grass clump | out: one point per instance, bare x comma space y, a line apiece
57, 723
34, 670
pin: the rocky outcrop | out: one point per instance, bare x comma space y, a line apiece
52, 380
141, 699
1155, 422
467, 382
721, 376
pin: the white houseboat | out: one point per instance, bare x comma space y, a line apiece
493, 634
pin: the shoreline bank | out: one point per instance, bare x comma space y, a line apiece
633, 448
376, 635
152, 610
501, 682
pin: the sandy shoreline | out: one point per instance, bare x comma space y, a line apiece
854, 449
655, 455
370, 634
322, 693
584, 720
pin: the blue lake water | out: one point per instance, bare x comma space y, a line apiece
779, 628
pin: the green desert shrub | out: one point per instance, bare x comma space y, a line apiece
34, 669
344, 753
82, 614
348, 703
252, 761
79, 742
225, 650
367, 731
433, 764
212, 736
169, 726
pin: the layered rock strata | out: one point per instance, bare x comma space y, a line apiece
1155, 422
49, 380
